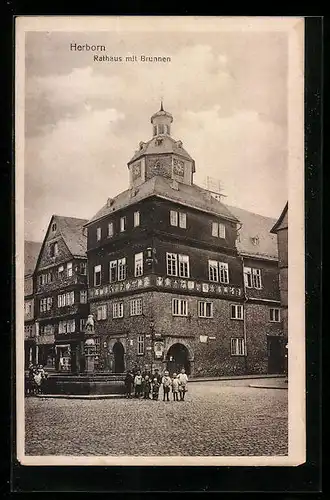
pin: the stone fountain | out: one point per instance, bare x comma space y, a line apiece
89, 383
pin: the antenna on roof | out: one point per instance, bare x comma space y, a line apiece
214, 187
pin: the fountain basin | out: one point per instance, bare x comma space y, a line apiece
85, 384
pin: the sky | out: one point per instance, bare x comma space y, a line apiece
84, 119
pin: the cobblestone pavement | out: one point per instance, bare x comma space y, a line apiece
217, 419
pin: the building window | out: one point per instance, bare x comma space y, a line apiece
205, 309
46, 304
252, 278
68, 326
97, 345
60, 272
110, 229
274, 315
172, 264
65, 299
236, 311
69, 269
121, 269
54, 227
83, 296
101, 312
136, 219
179, 307
173, 218
44, 279
122, 224
82, 324
218, 230
98, 233
82, 268
237, 347
136, 307
218, 271
118, 310
53, 249
28, 308
213, 270
138, 264
113, 271
183, 266
182, 220
97, 275
155, 130
178, 218
256, 273
172, 267
140, 345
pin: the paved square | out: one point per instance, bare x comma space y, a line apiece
218, 418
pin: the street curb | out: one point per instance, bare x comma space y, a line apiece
235, 377
268, 386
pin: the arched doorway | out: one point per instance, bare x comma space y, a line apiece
177, 358
118, 352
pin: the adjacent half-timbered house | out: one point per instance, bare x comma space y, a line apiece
60, 291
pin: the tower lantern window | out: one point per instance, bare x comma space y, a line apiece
161, 128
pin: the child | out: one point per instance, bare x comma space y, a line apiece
138, 384
167, 382
183, 381
155, 389
146, 387
175, 387
129, 380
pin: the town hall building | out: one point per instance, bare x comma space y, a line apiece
175, 277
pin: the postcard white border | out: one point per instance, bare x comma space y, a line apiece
294, 26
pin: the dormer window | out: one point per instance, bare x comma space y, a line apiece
54, 227
218, 230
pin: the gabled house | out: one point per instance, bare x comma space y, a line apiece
60, 288
257, 247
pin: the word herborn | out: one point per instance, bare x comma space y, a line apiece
105, 58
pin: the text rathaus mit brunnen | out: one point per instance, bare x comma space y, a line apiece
115, 58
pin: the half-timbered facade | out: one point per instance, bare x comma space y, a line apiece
60, 290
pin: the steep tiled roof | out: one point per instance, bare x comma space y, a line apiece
193, 196
255, 238
31, 252
71, 230
167, 145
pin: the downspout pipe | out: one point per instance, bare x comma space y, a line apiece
244, 319
239, 227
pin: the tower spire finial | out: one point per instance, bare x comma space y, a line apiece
161, 104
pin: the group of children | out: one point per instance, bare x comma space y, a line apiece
147, 386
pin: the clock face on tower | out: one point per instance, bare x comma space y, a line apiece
136, 170
178, 167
